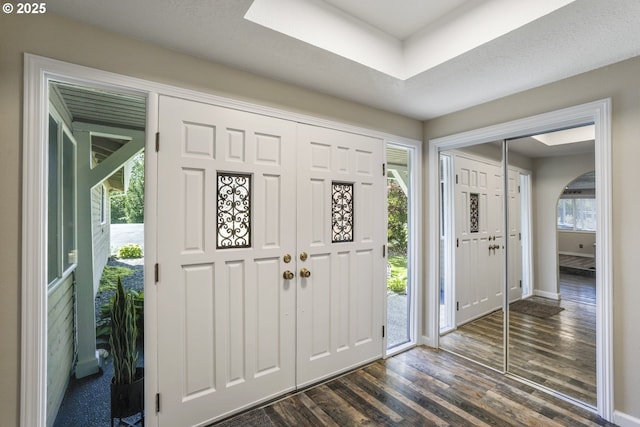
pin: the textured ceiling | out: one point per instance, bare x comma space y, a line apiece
581, 36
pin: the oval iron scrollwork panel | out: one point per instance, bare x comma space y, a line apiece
234, 211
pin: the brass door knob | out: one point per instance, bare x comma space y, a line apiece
288, 275
305, 273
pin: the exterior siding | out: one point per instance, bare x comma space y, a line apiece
101, 234
60, 343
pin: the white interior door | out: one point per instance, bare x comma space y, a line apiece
226, 315
478, 204
229, 212
341, 228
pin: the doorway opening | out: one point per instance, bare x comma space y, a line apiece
95, 143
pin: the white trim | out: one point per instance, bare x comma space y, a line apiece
449, 274
599, 113
34, 243
37, 72
526, 219
624, 420
579, 254
546, 294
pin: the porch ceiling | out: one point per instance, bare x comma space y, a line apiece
104, 108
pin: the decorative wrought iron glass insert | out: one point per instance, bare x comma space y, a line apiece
341, 212
474, 212
234, 211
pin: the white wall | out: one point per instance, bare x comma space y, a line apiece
550, 176
569, 243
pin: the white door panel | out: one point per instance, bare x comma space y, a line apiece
226, 316
340, 306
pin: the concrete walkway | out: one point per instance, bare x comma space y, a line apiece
122, 234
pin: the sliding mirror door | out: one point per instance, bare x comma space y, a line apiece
551, 261
472, 253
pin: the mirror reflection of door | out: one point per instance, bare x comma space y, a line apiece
552, 330
551, 318
472, 253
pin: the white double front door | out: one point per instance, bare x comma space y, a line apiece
270, 251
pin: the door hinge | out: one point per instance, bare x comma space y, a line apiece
457, 243
457, 305
157, 141
382, 331
156, 272
456, 178
384, 251
520, 283
518, 188
519, 236
384, 169
157, 402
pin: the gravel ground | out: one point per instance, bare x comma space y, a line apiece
133, 281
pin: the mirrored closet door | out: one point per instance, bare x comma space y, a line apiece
517, 251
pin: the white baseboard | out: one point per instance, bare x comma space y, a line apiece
545, 294
582, 254
623, 420
425, 340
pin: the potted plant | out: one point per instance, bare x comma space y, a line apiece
127, 385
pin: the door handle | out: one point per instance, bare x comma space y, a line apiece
305, 273
288, 275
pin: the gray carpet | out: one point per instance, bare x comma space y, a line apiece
534, 308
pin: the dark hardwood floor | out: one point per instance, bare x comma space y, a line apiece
421, 387
558, 352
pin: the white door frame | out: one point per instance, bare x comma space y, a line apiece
598, 113
38, 71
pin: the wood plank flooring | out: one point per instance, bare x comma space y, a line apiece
421, 387
557, 352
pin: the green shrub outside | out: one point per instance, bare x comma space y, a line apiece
130, 251
397, 280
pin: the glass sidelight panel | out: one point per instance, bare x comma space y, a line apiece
400, 257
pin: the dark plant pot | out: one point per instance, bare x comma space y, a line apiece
128, 399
